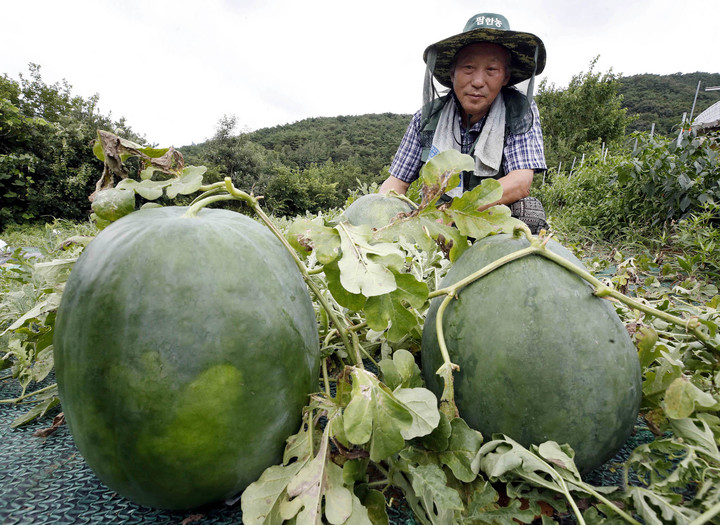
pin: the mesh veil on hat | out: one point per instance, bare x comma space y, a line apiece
493, 28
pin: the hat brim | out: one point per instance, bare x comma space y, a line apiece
521, 45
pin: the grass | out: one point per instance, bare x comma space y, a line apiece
47, 238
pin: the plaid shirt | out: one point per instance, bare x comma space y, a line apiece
521, 151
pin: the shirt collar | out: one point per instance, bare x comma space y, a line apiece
475, 128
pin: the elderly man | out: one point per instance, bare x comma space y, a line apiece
482, 115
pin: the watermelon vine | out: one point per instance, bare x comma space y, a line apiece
374, 428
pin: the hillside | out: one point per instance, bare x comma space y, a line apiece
662, 99
370, 140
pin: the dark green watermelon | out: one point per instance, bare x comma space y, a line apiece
185, 350
541, 358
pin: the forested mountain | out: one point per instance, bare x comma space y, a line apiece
662, 99
368, 140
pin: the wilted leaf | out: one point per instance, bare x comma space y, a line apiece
682, 397
647, 504
305, 490
338, 499
441, 502
260, 502
43, 364
703, 439
478, 224
483, 507
560, 456
425, 230
443, 170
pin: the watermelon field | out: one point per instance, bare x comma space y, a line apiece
395, 360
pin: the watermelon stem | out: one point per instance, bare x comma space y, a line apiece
706, 516
403, 197
610, 504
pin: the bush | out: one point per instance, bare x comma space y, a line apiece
658, 183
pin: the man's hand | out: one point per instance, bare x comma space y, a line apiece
393, 183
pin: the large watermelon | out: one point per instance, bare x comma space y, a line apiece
375, 209
541, 358
185, 350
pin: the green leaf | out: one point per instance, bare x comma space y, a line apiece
389, 309
355, 470
423, 406
374, 502
441, 503
306, 235
375, 416
478, 224
352, 301
401, 370
462, 454
367, 268
35, 412
439, 439
189, 182
682, 397
151, 189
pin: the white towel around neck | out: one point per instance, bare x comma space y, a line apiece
488, 149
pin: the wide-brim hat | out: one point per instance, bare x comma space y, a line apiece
493, 28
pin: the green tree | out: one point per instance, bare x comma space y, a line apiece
47, 168
294, 191
581, 117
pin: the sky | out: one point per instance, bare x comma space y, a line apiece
174, 68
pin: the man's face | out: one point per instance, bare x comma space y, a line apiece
480, 71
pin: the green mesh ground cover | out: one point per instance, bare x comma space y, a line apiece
46, 481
